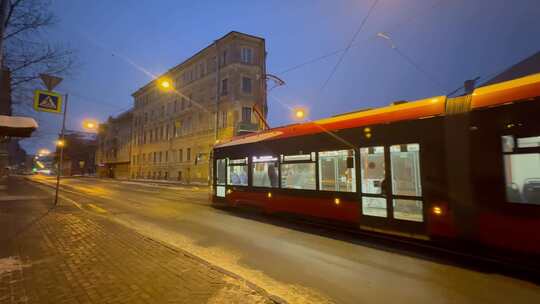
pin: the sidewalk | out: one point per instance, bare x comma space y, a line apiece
67, 255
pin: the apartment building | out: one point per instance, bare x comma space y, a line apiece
217, 93
114, 146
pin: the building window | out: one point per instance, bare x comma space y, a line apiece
190, 98
521, 157
180, 155
336, 171
247, 55
175, 105
298, 171
188, 154
166, 156
223, 58
224, 86
183, 105
265, 171
246, 114
237, 172
201, 70
246, 85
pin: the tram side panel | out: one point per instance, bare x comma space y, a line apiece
507, 184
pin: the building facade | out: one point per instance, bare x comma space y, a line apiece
217, 93
79, 153
114, 146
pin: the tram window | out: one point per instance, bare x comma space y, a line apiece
522, 169
410, 210
298, 176
405, 168
528, 142
221, 166
372, 170
336, 171
238, 172
265, 172
374, 206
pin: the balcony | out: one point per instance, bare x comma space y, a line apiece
245, 127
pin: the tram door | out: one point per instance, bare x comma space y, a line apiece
391, 188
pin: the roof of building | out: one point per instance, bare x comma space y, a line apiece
492, 95
229, 34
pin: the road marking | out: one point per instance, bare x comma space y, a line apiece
96, 208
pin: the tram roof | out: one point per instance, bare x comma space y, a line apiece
488, 96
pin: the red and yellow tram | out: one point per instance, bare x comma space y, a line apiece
461, 168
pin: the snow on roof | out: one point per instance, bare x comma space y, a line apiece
17, 126
17, 122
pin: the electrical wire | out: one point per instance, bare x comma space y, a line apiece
336, 66
396, 26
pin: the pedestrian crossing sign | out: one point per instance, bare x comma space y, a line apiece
46, 101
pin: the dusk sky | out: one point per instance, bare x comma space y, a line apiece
122, 44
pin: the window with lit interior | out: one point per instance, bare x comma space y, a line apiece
264, 171
221, 166
336, 171
521, 158
406, 182
373, 181
298, 171
237, 172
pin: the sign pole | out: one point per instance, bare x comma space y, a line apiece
61, 159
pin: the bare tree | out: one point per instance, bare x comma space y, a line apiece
28, 51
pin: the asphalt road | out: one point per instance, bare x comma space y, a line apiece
298, 266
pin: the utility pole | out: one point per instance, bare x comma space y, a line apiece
62, 143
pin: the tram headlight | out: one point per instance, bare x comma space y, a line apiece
269, 195
337, 201
437, 210
229, 191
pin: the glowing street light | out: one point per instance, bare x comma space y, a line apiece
90, 125
44, 152
60, 143
165, 84
299, 113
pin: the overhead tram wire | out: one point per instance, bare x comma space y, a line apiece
335, 52
336, 66
334, 69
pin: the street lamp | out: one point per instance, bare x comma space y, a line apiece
165, 84
44, 152
388, 38
299, 113
90, 125
60, 143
